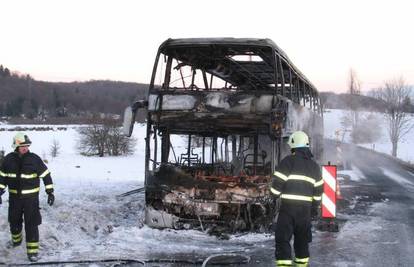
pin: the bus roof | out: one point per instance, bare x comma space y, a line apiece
190, 50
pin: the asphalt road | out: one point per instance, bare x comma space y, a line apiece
379, 230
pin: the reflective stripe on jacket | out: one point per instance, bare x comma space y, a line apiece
22, 174
298, 178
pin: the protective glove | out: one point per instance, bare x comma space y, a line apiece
50, 197
314, 212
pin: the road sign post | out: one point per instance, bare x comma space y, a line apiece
328, 221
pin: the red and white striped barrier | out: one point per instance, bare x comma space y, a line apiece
329, 191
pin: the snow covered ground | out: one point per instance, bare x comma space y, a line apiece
76, 167
89, 221
332, 123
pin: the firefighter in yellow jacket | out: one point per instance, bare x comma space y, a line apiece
298, 182
21, 172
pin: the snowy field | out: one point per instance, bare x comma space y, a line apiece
332, 123
89, 221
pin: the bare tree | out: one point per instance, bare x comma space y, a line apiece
396, 95
354, 84
54, 148
117, 143
104, 139
92, 140
350, 120
354, 88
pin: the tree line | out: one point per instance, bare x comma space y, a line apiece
21, 96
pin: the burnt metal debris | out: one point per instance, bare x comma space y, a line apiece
234, 101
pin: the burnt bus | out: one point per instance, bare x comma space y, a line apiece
219, 111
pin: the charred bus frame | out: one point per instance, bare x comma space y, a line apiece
233, 101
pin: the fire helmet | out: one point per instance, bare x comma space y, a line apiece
21, 139
298, 139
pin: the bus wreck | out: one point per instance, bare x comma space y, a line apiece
219, 110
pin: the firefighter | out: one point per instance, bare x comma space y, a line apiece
21, 172
298, 182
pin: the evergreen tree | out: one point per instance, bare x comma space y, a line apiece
6, 72
15, 107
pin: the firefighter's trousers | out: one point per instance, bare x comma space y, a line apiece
293, 220
27, 208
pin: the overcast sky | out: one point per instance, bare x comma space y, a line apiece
68, 40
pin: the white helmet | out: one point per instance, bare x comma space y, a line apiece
298, 139
21, 139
